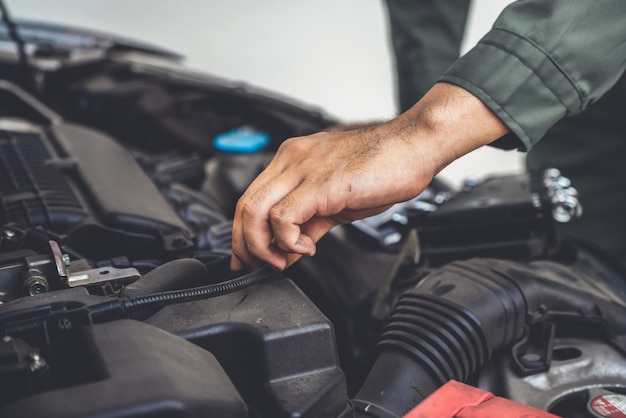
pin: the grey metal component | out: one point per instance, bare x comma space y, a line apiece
18, 125
564, 198
470, 182
565, 208
87, 277
386, 228
103, 274
37, 363
577, 365
35, 283
59, 260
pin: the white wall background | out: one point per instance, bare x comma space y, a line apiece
333, 54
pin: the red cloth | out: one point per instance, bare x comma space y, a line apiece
457, 400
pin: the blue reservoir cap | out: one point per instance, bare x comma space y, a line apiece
241, 140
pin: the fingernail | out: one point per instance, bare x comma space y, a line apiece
306, 245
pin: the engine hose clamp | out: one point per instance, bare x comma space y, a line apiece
372, 409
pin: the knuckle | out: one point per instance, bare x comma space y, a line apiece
293, 146
247, 208
318, 176
278, 215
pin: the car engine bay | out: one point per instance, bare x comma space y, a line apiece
119, 173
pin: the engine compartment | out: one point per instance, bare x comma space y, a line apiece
116, 297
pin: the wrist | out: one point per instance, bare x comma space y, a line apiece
447, 123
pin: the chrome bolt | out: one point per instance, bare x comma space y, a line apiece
37, 362
400, 218
35, 283
536, 200
393, 238
470, 183
565, 208
442, 197
563, 182
531, 360
552, 173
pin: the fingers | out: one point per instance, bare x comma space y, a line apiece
289, 214
296, 222
275, 222
315, 229
252, 234
254, 239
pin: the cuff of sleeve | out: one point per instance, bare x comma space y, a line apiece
519, 82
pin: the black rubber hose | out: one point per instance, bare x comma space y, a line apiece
178, 274
122, 308
174, 275
445, 328
197, 293
397, 372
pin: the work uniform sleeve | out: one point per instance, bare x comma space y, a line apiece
544, 60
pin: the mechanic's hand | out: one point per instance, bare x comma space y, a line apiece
318, 181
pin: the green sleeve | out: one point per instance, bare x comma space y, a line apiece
544, 60
426, 38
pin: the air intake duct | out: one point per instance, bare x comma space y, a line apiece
448, 326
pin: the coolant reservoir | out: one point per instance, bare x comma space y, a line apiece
240, 156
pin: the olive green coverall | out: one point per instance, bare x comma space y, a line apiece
553, 72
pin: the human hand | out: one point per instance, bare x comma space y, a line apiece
318, 181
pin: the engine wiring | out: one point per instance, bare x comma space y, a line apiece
124, 308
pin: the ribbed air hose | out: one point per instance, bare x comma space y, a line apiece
442, 335
445, 328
